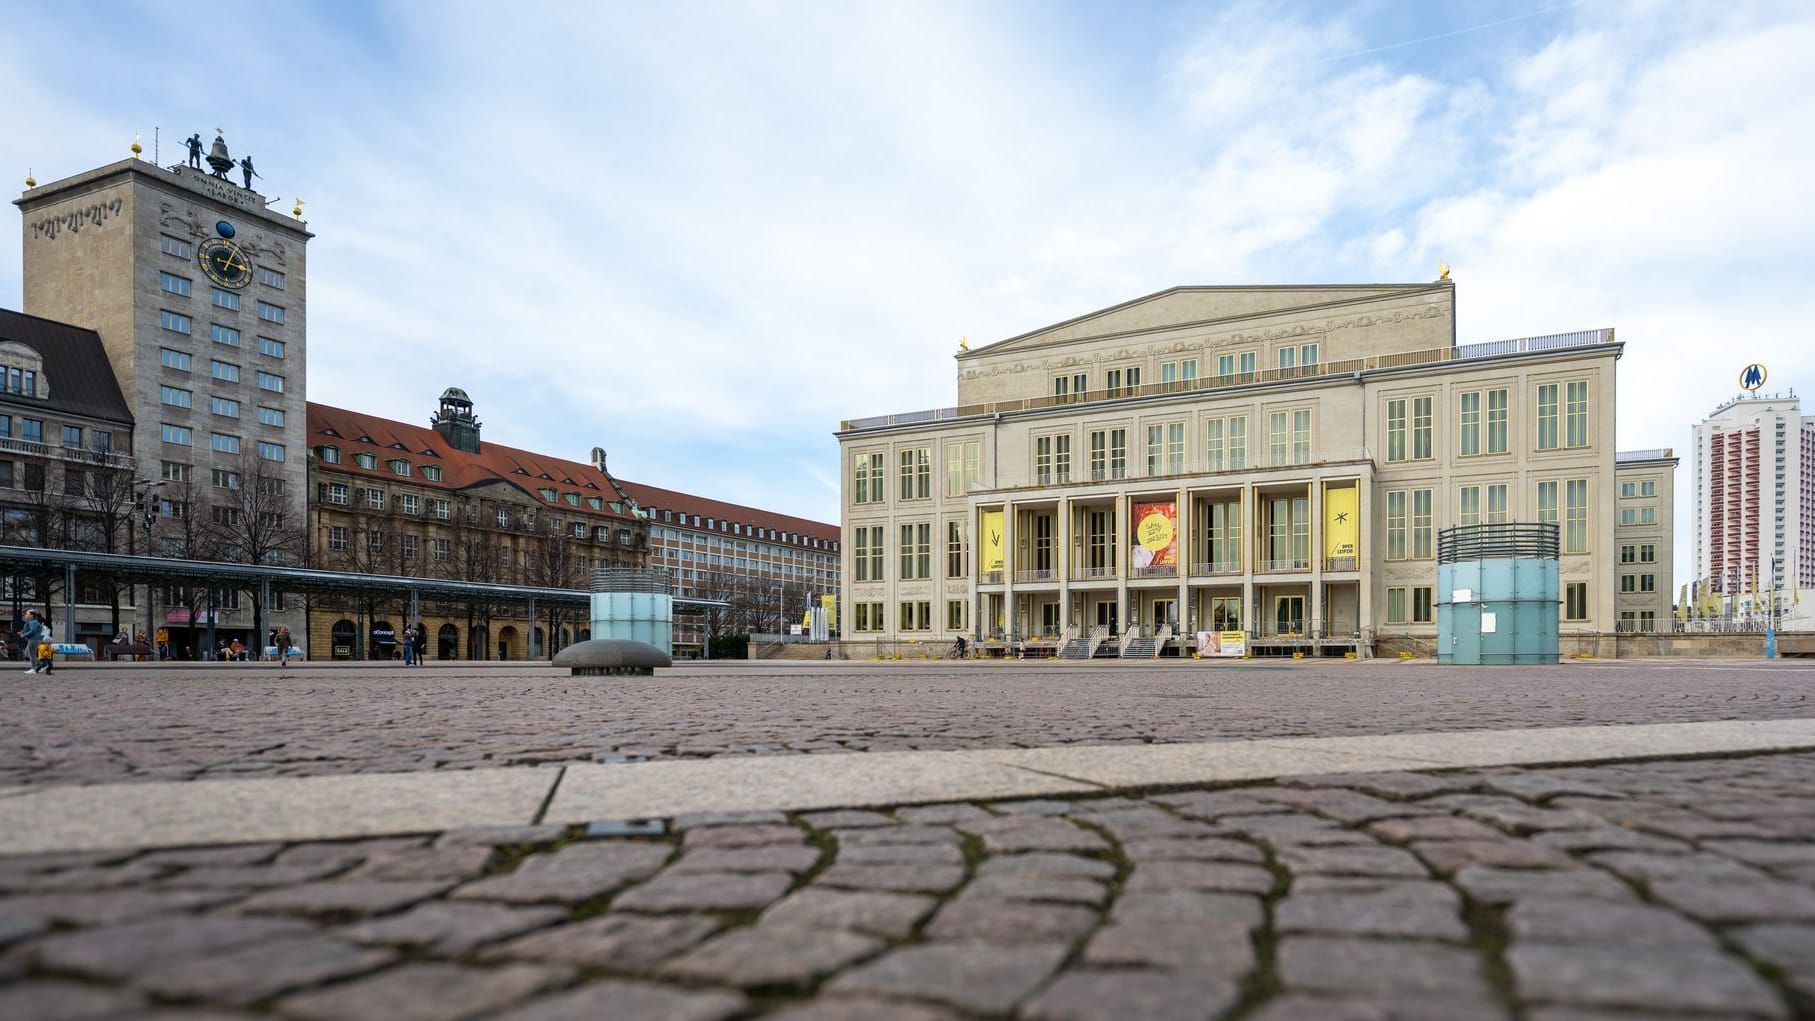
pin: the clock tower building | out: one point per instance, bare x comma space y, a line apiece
198, 292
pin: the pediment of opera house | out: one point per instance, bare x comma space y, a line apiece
1183, 306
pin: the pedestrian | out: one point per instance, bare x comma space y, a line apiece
409, 646
283, 644
163, 640
422, 642
220, 650
29, 637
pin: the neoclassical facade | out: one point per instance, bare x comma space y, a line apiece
1274, 460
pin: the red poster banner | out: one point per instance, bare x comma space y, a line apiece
1155, 535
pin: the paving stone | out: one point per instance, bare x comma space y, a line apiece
1299, 1007
575, 873
250, 974
1446, 856
706, 891
110, 906
1689, 826
630, 1001
1032, 806
1217, 804
1542, 787
209, 857
1287, 827
1503, 886
901, 854
1725, 903
130, 874
183, 1014
1147, 821
846, 819
1359, 967
426, 863
1092, 995
1063, 889
1766, 854
1000, 921
249, 877
342, 897
901, 878
1399, 786
1013, 834
859, 1008
794, 860
345, 853
1432, 827
742, 836
1573, 920
891, 915
1352, 861
699, 820
1039, 863
1789, 948
941, 815
770, 955
897, 835
1412, 912
452, 928
48, 1000
501, 836
1231, 909
14, 928
1515, 816
1345, 806
1204, 848
1206, 948
427, 992
119, 952
615, 942
1200, 875
978, 977
1644, 866
1610, 838
1647, 978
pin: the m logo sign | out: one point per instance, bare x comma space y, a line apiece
1752, 377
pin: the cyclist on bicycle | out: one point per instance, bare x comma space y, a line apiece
960, 643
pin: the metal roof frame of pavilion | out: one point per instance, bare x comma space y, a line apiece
167, 570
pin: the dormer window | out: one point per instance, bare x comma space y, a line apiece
596, 502
366, 461
330, 454
573, 499
431, 472
399, 466
547, 494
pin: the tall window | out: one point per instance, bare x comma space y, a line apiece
866, 478
1213, 445
1043, 460
1395, 605
1223, 536
1575, 432
1575, 600
1421, 524
1288, 538
954, 615
1108, 454
1547, 416
1496, 504
869, 553
1575, 516
1395, 524
1278, 438
917, 473
916, 551
1421, 604
1395, 430
1497, 401
1422, 447
955, 559
1468, 507
1547, 503
1061, 458
1301, 436
1468, 440
961, 472
1166, 449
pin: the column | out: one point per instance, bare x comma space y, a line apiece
1250, 556
1183, 545
1063, 561
1314, 607
1009, 564
1123, 529
1364, 562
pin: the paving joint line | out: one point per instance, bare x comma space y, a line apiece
1058, 776
548, 798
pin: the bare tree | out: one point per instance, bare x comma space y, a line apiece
253, 519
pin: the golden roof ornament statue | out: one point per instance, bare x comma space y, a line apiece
136, 147
297, 210
30, 181
1443, 271
964, 343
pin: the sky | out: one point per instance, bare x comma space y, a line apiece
700, 235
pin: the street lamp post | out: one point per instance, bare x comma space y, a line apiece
145, 504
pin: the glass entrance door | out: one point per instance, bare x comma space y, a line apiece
1289, 615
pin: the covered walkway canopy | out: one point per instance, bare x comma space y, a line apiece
146, 570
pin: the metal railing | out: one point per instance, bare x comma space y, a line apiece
1342, 563
1284, 566
1216, 567
1509, 540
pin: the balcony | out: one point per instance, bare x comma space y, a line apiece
1214, 568
1342, 563
1092, 573
990, 578
1036, 576
1284, 566
1156, 571
75, 455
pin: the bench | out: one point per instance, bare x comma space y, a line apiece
121, 650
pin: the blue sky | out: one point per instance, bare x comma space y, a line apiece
700, 235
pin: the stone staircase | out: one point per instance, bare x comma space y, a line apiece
1146, 646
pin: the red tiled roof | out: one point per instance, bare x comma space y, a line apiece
354, 432
655, 500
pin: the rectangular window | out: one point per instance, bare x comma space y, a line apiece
1648, 487
174, 433
72, 436
270, 348
1395, 430
177, 471
226, 443
917, 473
1421, 524
268, 277
270, 381
175, 322
1175, 448
954, 615
1548, 412
223, 298
1629, 554
1497, 401
31, 430
337, 538
1468, 440
224, 371
956, 565
1156, 448
1575, 600
337, 494
1395, 606
174, 397
223, 334
1647, 583
866, 558
1496, 504
408, 546
1395, 524
410, 503
1628, 490
1061, 458
171, 359
1422, 446
1629, 583
222, 478
1575, 516
1468, 508
916, 551
961, 467
1421, 605
1301, 436
270, 416
1547, 503
442, 548
1043, 460
1629, 515
1288, 358
1213, 445
224, 407
440, 509
1647, 553
270, 451
1278, 439
173, 246
375, 501
270, 313
1576, 414
170, 283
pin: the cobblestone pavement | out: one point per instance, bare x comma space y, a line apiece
1676, 889
108, 724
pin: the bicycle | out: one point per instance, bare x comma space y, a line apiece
957, 650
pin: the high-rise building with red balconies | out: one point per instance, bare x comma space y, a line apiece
1755, 497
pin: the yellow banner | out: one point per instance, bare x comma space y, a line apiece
989, 543
1155, 528
830, 602
1341, 524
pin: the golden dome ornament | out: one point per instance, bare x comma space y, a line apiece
136, 147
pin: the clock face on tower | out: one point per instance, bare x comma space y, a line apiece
224, 262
